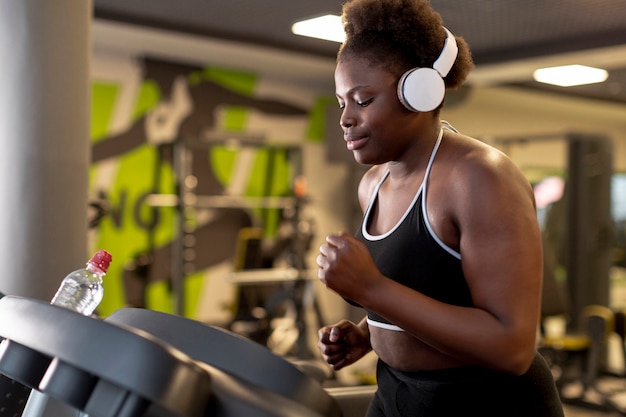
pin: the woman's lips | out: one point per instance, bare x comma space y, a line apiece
355, 143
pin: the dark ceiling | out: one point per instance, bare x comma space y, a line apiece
497, 31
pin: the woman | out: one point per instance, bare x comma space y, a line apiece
448, 261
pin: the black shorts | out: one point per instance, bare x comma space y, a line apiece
468, 390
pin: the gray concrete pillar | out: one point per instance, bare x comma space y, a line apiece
45, 49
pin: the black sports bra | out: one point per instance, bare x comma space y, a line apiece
413, 255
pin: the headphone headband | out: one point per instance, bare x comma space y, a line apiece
446, 59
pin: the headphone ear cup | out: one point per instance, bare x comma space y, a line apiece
421, 89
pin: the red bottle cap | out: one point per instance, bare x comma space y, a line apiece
101, 259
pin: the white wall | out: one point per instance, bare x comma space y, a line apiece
492, 112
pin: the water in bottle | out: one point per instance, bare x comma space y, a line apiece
82, 290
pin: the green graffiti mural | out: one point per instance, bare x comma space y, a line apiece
176, 104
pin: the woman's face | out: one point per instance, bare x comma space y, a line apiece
377, 128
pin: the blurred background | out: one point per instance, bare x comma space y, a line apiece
202, 138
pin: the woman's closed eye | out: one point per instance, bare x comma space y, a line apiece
360, 103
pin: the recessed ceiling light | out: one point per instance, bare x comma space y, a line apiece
326, 27
570, 75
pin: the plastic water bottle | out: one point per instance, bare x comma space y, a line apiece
82, 290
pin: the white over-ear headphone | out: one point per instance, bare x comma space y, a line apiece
423, 89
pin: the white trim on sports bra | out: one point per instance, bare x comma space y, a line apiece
445, 125
384, 325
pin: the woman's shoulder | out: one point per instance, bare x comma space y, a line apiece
469, 153
369, 181
474, 164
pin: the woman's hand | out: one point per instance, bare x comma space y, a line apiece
343, 343
346, 266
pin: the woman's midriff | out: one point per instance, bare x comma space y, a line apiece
404, 352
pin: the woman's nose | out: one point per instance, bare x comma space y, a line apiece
346, 121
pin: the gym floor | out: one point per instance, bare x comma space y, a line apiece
575, 411
571, 411
608, 388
